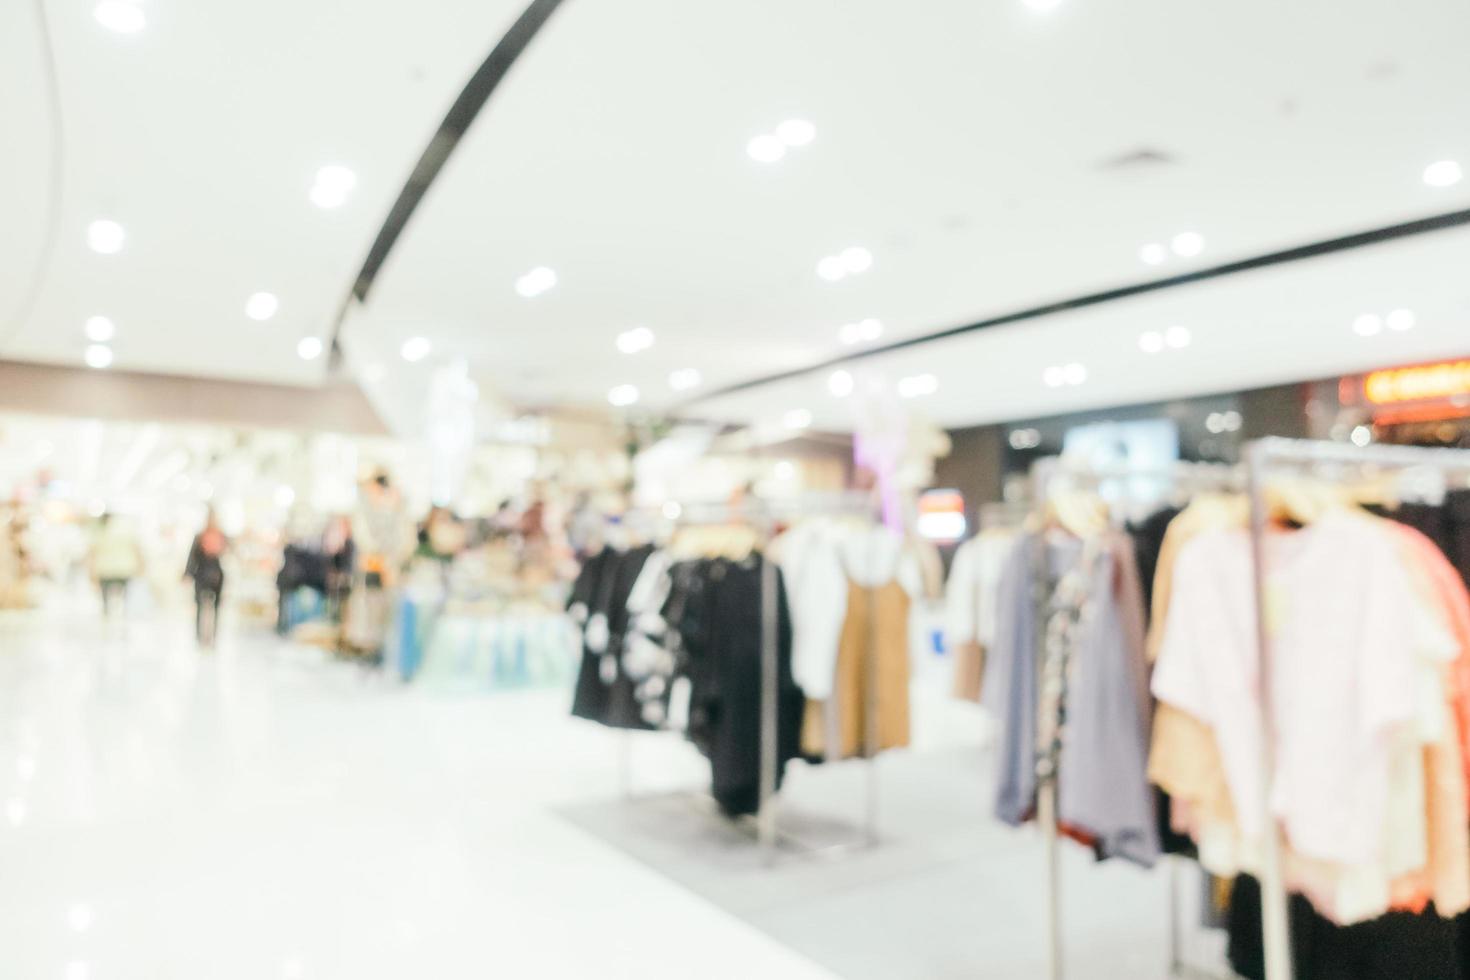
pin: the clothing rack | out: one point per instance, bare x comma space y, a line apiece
1261, 458
764, 516
1196, 477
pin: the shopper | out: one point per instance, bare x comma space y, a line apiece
116, 560
205, 568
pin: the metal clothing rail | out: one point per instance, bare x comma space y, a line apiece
763, 516
1261, 457
1196, 477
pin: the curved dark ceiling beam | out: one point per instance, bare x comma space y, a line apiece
1362, 239
477, 92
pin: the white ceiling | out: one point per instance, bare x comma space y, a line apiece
961, 143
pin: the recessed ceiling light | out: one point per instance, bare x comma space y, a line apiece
870, 329
623, 396
105, 236
98, 356
796, 132
1400, 320
797, 418
840, 383
415, 349
1188, 244
1054, 376
1368, 325
1074, 373
856, 259
831, 269
785, 470
1362, 435
100, 329
765, 148
334, 184
684, 379
536, 282
309, 349
1150, 341
262, 306
917, 386
1153, 254
120, 16
635, 341
1177, 337
1445, 173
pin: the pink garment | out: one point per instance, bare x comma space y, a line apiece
1347, 637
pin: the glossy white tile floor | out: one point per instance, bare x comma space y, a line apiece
262, 813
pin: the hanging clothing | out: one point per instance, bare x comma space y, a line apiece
599, 604
970, 606
872, 673
1361, 711
1068, 685
719, 611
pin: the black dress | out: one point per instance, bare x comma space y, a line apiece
720, 628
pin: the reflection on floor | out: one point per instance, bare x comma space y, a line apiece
261, 813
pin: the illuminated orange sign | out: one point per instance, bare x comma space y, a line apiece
1424, 382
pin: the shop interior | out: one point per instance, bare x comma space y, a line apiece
818, 490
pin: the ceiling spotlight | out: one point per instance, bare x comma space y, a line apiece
262, 306
1362, 435
1151, 342
1231, 421
1074, 373
536, 282
1368, 325
120, 16
334, 183
856, 259
98, 356
1054, 376
684, 379
870, 329
796, 132
1025, 438
831, 269
1215, 423
797, 418
766, 148
1177, 337
100, 329
840, 383
917, 386
309, 349
623, 396
1153, 254
1187, 244
1445, 173
415, 349
785, 469
1400, 320
105, 236
635, 341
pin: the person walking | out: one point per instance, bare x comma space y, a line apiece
205, 568
116, 560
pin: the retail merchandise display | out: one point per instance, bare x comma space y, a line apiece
674, 638
1342, 724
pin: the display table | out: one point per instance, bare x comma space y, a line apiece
473, 649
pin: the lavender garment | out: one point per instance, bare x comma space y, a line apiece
1102, 784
